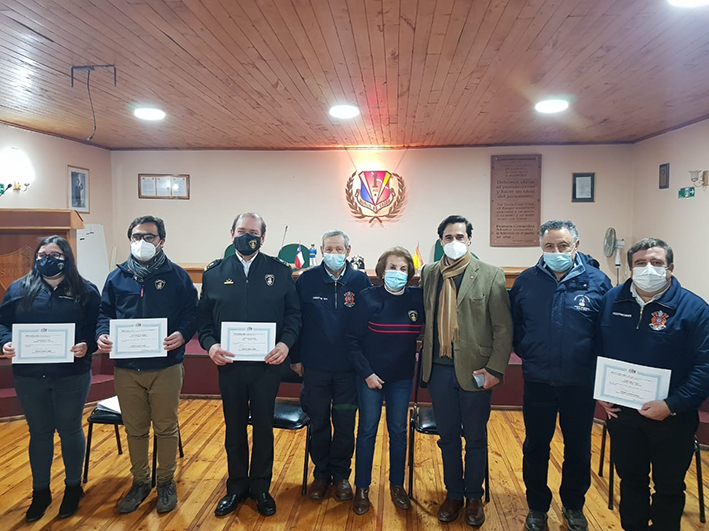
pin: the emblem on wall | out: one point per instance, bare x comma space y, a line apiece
375, 195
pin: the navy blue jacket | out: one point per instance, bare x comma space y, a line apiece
326, 305
381, 336
167, 292
669, 333
52, 306
555, 322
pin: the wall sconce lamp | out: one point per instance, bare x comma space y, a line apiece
699, 177
16, 170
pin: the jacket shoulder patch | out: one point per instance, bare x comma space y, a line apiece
213, 263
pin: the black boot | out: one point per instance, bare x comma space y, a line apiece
70, 503
40, 501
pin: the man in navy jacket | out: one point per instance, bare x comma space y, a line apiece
149, 285
328, 295
555, 307
653, 321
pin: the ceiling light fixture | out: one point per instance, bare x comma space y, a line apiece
688, 3
551, 106
344, 111
148, 113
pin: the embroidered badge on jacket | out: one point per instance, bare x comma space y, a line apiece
270, 279
349, 299
413, 315
159, 284
658, 320
228, 281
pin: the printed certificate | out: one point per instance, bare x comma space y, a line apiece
248, 341
43, 343
138, 338
630, 385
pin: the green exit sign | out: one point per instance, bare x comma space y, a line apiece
688, 191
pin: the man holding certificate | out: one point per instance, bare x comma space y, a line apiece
148, 312
555, 309
249, 318
652, 376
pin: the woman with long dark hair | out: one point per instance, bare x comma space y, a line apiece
52, 395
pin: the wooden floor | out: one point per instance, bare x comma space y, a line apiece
201, 479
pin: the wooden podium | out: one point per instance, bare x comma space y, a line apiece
21, 231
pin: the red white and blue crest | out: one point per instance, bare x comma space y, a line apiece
658, 320
375, 194
349, 299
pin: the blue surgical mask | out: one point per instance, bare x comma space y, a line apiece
395, 280
558, 262
334, 262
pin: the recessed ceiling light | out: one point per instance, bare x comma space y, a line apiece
689, 3
344, 111
148, 113
551, 106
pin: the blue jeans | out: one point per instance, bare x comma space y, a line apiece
49, 405
397, 396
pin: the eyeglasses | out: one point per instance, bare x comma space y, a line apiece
58, 256
150, 238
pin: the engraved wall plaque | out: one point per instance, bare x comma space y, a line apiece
515, 200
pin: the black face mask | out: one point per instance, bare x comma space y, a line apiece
247, 244
49, 267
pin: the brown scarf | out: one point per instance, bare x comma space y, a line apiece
447, 304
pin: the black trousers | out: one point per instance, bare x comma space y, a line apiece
639, 445
330, 397
249, 387
574, 406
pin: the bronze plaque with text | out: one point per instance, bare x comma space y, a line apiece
515, 200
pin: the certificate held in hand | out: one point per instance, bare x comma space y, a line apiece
248, 341
138, 338
628, 384
43, 343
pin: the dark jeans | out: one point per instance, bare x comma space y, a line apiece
396, 394
638, 444
575, 406
454, 407
325, 396
49, 405
249, 387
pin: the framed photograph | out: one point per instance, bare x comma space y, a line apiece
584, 189
163, 186
78, 188
664, 176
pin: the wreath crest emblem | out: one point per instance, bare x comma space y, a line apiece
375, 195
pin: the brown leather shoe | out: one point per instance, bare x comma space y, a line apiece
474, 512
449, 510
343, 489
361, 501
317, 489
399, 497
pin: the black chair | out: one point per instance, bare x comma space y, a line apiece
422, 420
698, 461
288, 415
101, 415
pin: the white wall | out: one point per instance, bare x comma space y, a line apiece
50, 156
659, 213
305, 190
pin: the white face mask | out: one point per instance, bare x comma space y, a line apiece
455, 249
650, 279
142, 250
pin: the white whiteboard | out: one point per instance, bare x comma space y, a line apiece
91, 258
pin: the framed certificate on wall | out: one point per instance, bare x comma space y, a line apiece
163, 186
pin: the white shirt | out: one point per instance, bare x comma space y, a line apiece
656, 296
246, 263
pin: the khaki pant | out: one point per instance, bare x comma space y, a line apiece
147, 396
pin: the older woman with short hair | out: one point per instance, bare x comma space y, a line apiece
381, 340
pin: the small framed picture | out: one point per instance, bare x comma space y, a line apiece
163, 186
78, 188
664, 176
584, 189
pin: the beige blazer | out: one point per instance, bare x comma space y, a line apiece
484, 320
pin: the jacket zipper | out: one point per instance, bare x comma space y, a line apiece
336, 294
642, 309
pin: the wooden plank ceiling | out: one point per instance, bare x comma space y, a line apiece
262, 74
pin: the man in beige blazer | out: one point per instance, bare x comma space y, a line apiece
467, 345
